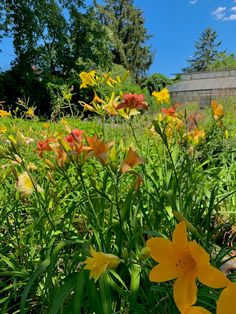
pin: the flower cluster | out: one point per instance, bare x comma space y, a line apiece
123, 104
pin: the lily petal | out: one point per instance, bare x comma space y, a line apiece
161, 249
226, 302
180, 235
196, 310
163, 272
198, 253
185, 290
212, 277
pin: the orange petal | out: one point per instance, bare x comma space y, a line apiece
180, 235
212, 277
185, 290
161, 249
198, 253
226, 302
163, 272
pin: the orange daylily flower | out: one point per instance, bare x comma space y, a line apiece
100, 262
218, 110
99, 149
196, 136
168, 111
60, 154
44, 146
226, 302
75, 141
186, 261
131, 161
74, 136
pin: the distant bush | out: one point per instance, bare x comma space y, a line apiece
156, 82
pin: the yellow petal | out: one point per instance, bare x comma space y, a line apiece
196, 310
226, 303
185, 290
198, 253
212, 277
163, 272
180, 235
161, 249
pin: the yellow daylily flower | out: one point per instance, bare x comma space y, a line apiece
186, 261
88, 79
162, 97
25, 184
100, 262
3, 129
109, 80
127, 116
4, 113
30, 112
226, 302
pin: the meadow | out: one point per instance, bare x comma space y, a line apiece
89, 207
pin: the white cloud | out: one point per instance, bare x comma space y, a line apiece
195, 1
231, 17
219, 13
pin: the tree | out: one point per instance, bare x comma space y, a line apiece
156, 82
223, 61
128, 35
54, 35
206, 51
53, 41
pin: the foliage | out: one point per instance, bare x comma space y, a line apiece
49, 41
156, 82
128, 35
15, 84
223, 61
206, 51
80, 199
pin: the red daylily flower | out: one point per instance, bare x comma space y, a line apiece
133, 101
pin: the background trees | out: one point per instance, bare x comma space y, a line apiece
54, 40
206, 51
128, 35
223, 61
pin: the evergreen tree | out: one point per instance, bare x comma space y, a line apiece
206, 51
128, 35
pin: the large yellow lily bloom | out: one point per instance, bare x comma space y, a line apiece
186, 261
226, 302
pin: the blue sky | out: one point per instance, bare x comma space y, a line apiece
175, 26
